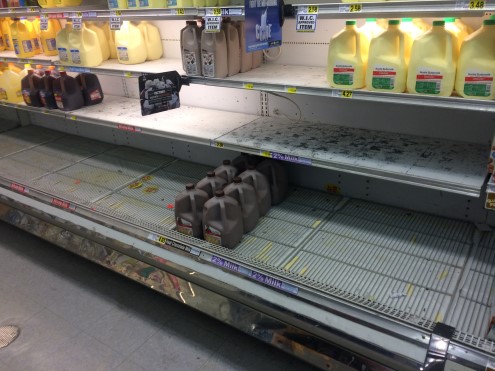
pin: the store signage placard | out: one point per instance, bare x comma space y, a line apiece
262, 24
306, 18
159, 92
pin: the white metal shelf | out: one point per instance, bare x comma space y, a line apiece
10, 56
24, 11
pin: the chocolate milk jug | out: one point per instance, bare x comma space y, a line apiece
277, 177
242, 162
46, 91
222, 221
246, 196
262, 187
189, 211
30, 86
67, 93
91, 88
226, 171
211, 183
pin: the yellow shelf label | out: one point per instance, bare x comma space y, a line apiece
161, 239
218, 144
182, 11
312, 9
477, 4
332, 188
128, 74
61, 68
355, 8
347, 94
291, 90
217, 12
32, 10
265, 154
248, 85
73, 117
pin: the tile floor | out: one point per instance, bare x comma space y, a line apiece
75, 315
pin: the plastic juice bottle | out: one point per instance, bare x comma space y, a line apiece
129, 41
152, 40
11, 66
25, 71
67, 3
190, 41
31, 85
387, 62
46, 91
214, 54
233, 50
10, 86
211, 183
458, 32
49, 37
433, 64
189, 211
91, 88
222, 221
246, 58
34, 39
85, 48
7, 34
62, 43
102, 39
21, 39
67, 93
412, 32
37, 35
476, 68
347, 57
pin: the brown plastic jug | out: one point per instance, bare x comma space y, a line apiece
189, 211
91, 88
46, 91
211, 183
246, 196
222, 221
277, 178
226, 171
67, 93
242, 162
260, 184
30, 85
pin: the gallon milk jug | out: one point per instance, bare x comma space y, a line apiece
222, 221
62, 42
152, 40
190, 41
277, 178
257, 58
85, 48
91, 88
233, 50
211, 183
412, 32
246, 196
21, 39
30, 86
129, 41
35, 26
261, 186
24, 72
48, 37
371, 28
67, 93
67, 3
102, 39
243, 161
387, 61
347, 56
46, 91
7, 34
476, 68
433, 65
10, 86
246, 58
47, 3
110, 36
226, 171
189, 211
459, 32
214, 54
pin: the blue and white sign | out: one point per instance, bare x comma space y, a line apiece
262, 24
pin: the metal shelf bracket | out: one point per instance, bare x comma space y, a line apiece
438, 347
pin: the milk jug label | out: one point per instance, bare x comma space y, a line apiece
428, 81
1, 42
122, 53
95, 95
36, 43
208, 64
7, 40
58, 100
184, 226
190, 62
132, 3
383, 77
51, 44
27, 45
27, 96
343, 74
76, 56
43, 97
62, 55
171, 3
212, 235
144, 3
16, 46
3, 94
478, 84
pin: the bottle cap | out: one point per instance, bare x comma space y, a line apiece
489, 22
189, 186
350, 23
449, 20
438, 23
30, 72
219, 193
370, 19
237, 179
407, 20
63, 73
394, 22
48, 73
210, 174
226, 162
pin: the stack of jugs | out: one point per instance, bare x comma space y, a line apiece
10, 85
433, 62
347, 58
476, 67
388, 59
136, 44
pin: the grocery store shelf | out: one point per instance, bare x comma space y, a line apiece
312, 81
25, 11
24, 107
387, 9
444, 165
10, 56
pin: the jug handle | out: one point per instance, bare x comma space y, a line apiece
223, 212
193, 203
449, 48
358, 45
241, 196
402, 49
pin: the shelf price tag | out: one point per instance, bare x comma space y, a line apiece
213, 23
351, 8
43, 22
247, 85
217, 12
32, 10
337, 93
77, 24
285, 157
217, 144
115, 23
290, 90
471, 4
178, 11
306, 18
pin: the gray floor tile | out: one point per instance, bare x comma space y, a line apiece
82, 353
15, 308
39, 337
123, 331
178, 345
129, 365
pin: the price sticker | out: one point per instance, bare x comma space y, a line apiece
11, 10
248, 85
352, 8
213, 24
180, 11
476, 5
77, 24
32, 10
115, 13
266, 154
73, 117
127, 74
306, 23
43, 24
115, 23
291, 90
217, 12
346, 93
310, 9
217, 144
